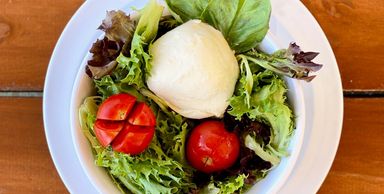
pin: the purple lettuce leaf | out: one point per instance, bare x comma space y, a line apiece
104, 52
119, 30
291, 62
118, 26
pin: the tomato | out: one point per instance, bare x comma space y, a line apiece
142, 115
133, 139
106, 131
211, 148
116, 107
124, 124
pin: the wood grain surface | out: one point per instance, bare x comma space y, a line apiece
29, 30
359, 163
355, 30
25, 163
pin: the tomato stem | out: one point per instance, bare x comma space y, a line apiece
207, 161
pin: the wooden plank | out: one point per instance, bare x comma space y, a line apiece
355, 30
26, 166
359, 163
29, 30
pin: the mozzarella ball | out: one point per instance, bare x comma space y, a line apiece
193, 70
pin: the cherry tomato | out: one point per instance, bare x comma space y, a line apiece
116, 107
211, 148
124, 124
133, 139
106, 131
142, 115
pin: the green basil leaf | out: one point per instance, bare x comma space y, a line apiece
244, 23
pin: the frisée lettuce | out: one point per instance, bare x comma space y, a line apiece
260, 95
231, 185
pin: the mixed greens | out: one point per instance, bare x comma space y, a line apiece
258, 111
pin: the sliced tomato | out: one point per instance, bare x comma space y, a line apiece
116, 107
142, 115
106, 131
126, 126
133, 139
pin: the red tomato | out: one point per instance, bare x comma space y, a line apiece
106, 131
211, 148
116, 107
133, 139
132, 135
142, 115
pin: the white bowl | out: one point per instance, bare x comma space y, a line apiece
83, 87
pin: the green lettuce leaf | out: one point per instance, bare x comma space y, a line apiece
244, 23
149, 21
266, 103
264, 154
230, 185
106, 87
172, 133
87, 117
150, 172
133, 69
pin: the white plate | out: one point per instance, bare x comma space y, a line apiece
290, 22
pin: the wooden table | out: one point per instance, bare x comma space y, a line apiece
29, 30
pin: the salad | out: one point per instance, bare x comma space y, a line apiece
186, 102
